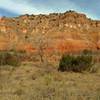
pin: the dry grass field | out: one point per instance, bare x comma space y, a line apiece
32, 81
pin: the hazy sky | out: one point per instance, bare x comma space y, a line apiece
12, 8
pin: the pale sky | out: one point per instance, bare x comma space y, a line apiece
12, 8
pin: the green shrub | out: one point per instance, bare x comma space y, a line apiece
87, 52
9, 58
13, 59
76, 63
3, 58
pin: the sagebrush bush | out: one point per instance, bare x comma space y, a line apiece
76, 63
9, 58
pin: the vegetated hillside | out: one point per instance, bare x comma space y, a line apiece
69, 31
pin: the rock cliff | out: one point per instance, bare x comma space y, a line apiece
63, 32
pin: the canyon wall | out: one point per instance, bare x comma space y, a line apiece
62, 32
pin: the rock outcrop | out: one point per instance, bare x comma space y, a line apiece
66, 32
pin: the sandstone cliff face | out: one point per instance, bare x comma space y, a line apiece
66, 32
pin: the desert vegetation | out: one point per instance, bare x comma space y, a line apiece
34, 81
9, 58
76, 63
